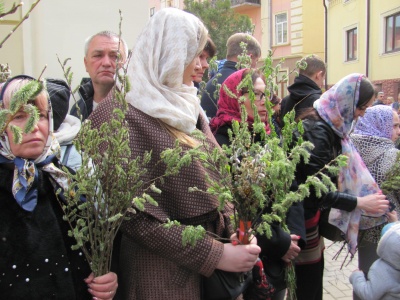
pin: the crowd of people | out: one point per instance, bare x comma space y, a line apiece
169, 59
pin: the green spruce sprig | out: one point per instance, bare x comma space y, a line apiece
258, 168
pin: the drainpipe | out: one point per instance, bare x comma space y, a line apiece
326, 43
367, 40
270, 23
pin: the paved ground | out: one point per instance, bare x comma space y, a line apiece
336, 279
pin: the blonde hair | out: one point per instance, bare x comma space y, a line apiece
41, 100
234, 49
182, 137
175, 133
390, 99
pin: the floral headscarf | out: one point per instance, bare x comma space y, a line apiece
228, 106
168, 44
24, 187
377, 121
337, 107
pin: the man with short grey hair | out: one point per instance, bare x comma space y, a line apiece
379, 99
102, 51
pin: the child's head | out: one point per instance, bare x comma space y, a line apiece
389, 245
388, 226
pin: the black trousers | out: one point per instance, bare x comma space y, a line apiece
309, 280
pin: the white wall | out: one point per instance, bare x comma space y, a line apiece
60, 27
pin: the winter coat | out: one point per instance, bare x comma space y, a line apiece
36, 260
208, 100
153, 262
84, 104
303, 92
326, 148
383, 280
272, 249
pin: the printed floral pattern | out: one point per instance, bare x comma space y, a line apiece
337, 107
25, 172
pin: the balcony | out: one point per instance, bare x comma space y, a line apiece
242, 5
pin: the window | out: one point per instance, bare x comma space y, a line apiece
281, 29
392, 38
282, 82
351, 44
152, 11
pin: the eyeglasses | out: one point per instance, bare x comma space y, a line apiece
259, 96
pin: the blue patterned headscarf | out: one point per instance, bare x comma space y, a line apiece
24, 187
377, 121
337, 107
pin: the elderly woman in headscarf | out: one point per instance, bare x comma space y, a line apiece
374, 137
164, 107
36, 259
282, 247
327, 125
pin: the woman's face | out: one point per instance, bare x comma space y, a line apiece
33, 143
189, 74
203, 66
360, 111
396, 127
259, 101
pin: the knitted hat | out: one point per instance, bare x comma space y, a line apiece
59, 93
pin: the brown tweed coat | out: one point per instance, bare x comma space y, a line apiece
153, 262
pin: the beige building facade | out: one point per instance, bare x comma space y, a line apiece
59, 27
364, 37
296, 29
292, 29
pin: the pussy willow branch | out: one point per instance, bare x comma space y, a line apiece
41, 73
22, 20
12, 10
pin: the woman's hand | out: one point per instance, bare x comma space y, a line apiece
373, 204
239, 258
392, 216
102, 287
293, 250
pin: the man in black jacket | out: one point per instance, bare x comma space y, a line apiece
101, 53
306, 87
209, 99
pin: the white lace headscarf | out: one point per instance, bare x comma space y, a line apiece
170, 41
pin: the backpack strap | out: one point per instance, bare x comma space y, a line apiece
66, 154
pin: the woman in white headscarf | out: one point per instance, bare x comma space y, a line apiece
163, 107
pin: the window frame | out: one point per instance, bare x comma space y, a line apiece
282, 84
394, 16
351, 37
284, 26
